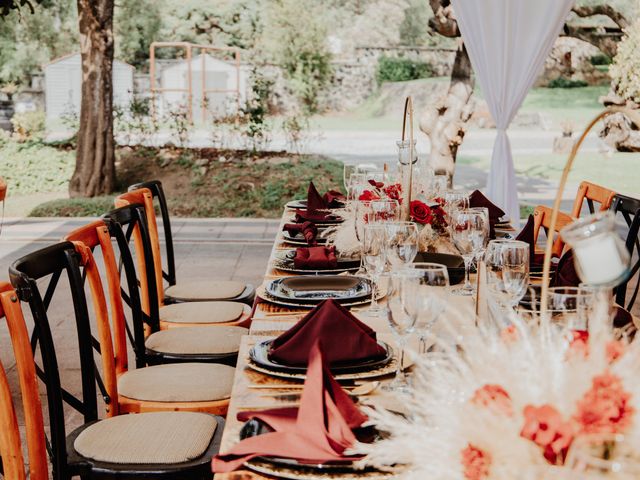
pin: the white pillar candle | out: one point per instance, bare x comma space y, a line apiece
599, 260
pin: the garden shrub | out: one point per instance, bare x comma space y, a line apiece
74, 207
600, 59
392, 69
562, 82
29, 126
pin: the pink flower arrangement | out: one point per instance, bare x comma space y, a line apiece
605, 408
494, 397
476, 463
545, 427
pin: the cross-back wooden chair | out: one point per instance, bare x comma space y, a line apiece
628, 208
184, 291
13, 464
190, 314
157, 445
592, 193
542, 220
191, 344
192, 386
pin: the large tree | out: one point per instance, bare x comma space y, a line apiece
95, 155
445, 122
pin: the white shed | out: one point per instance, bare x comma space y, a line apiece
63, 85
223, 81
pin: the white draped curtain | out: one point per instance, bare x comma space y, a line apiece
508, 42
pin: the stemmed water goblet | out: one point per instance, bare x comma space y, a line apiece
508, 270
469, 234
374, 259
402, 314
455, 200
402, 243
432, 297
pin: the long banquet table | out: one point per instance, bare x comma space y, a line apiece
269, 321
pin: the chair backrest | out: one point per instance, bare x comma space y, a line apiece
125, 223
155, 187
542, 219
143, 197
51, 263
629, 209
98, 235
592, 193
10, 444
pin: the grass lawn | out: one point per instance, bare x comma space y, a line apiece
198, 182
620, 172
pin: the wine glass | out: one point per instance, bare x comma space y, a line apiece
571, 305
402, 243
508, 269
347, 171
384, 211
455, 200
439, 183
402, 314
374, 258
432, 297
469, 235
357, 184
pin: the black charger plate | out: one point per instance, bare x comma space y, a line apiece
454, 264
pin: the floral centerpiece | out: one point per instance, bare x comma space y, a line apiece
505, 403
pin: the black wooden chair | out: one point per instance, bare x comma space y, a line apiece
628, 208
153, 345
191, 290
158, 445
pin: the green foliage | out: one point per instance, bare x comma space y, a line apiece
625, 70
74, 207
392, 69
414, 29
29, 126
137, 24
7, 6
35, 168
256, 110
295, 37
562, 82
600, 59
134, 122
27, 41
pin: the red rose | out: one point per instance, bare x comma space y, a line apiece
368, 196
420, 212
606, 407
393, 192
476, 463
377, 185
546, 428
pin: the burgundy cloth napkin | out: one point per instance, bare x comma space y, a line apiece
478, 200
566, 274
308, 230
315, 258
313, 216
344, 338
526, 235
319, 431
331, 199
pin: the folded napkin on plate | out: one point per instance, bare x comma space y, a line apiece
313, 216
344, 338
308, 230
315, 258
478, 200
526, 235
331, 199
319, 431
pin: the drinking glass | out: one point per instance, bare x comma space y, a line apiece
485, 212
384, 211
402, 314
454, 200
571, 306
374, 258
508, 269
439, 184
347, 171
357, 184
432, 297
468, 232
402, 243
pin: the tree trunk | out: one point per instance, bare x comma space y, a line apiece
444, 123
95, 157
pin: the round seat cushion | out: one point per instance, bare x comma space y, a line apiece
202, 312
197, 340
148, 438
205, 290
178, 382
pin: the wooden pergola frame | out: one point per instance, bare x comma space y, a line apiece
189, 47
